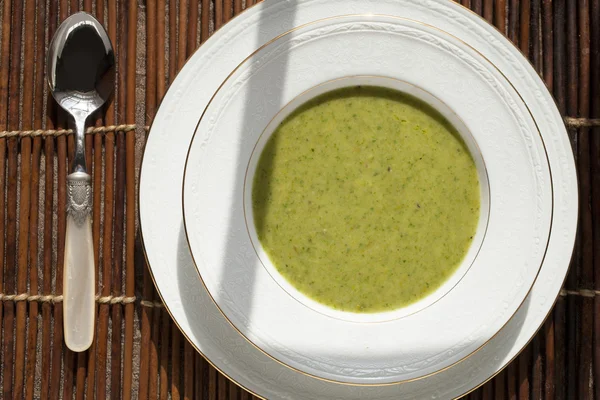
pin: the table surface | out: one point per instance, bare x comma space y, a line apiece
152, 40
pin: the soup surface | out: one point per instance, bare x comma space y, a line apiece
366, 199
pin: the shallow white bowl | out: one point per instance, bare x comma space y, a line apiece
469, 140
464, 313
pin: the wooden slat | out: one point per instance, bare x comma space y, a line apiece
4, 73
12, 182
586, 280
119, 222
595, 173
25, 198
148, 348
218, 13
130, 198
206, 17
38, 112
513, 21
488, 10
573, 306
192, 26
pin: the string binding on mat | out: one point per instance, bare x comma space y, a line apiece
148, 303
61, 132
571, 122
59, 298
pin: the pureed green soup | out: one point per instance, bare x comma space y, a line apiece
366, 199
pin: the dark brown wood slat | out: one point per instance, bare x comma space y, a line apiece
212, 382
154, 340
12, 182
595, 173
175, 363
188, 371
549, 382
487, 391
25, 202
536, 367
477, 6
514, 15
117, 280
161, 44
476, 395
199, 380
4, 73
233, 391
38, 114
547, 43
218, 13
227, 10
182, 40
147, 346
172, 40
105, 264
221, 387
130, 198
524, 383
586, 280
206, 17
164, 354
536, 35
244, 395
192, 31
500, 15
500, 386
525, 28
511, 380
573, 303
49, 151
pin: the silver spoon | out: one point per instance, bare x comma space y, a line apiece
80, 71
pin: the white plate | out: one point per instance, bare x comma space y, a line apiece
161, 217
434, 333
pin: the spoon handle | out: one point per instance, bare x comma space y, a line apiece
79, 274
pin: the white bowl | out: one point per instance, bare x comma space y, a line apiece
462, 315
469, 140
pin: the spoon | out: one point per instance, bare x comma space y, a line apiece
80, 71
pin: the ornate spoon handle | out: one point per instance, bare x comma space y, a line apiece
79, 274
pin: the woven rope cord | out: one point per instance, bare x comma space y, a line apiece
148, 303
569, 121
61, 132
59, 298
580, 292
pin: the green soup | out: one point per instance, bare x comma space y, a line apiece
366, 199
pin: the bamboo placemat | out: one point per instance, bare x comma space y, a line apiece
153, 38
